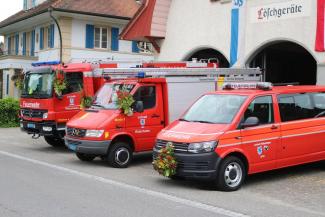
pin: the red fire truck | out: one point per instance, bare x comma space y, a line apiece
161, 93
42, 112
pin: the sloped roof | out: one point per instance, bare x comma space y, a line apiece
120, 9
149, 22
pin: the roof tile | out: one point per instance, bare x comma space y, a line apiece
118, 8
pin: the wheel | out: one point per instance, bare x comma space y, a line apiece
85, 157
231, 174
120, 155
54, 141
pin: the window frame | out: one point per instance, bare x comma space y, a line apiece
312, 102
155, 92
242, 119
101, 37
68, 89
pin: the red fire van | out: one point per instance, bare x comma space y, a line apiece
161, 93
246, 129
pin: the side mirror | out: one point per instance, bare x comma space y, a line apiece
139, 107
250, 122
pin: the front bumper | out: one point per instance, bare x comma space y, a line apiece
32, 127
87, 146
196, 166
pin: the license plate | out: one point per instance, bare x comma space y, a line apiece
31, 125
72, 147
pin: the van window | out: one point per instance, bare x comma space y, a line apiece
262, 108
147, 95
301, 106
74, 82
319, 101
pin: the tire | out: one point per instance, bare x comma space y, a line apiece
120, 155
54, 141
85, 157
231, 174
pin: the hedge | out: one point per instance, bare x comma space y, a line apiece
9, 110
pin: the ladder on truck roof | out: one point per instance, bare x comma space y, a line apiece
173, 72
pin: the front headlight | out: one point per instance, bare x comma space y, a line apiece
45, 115
202, 147
94, 133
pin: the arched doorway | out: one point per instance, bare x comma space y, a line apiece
286, 62
210, 54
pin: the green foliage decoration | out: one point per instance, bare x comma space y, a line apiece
86, 102
9, 112
125, 101
59, 85
165, 163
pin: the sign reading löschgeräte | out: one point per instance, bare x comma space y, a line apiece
280, 11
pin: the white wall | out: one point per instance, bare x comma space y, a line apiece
195, 25
204, 24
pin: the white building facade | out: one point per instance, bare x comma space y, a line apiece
276, 35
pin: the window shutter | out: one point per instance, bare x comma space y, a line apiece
41, 39
24, 44
17, 44
135, 48
32, 49
90, 32
9, 45
115, 39
52, 36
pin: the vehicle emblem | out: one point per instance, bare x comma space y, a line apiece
71, 100
169, 144
259, 150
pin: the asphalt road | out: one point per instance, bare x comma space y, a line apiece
38, 180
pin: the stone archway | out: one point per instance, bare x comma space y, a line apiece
209, 54
285, 62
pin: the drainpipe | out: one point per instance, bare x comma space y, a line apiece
60, 34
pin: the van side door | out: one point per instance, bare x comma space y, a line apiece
261, 142
69, 105
146, 125
303, 128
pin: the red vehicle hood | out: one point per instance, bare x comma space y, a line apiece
93, 119
188, 132
45, 104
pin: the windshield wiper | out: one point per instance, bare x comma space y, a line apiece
98, 105
205, 122
183, 119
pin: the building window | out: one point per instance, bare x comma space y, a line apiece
47, 37
145, 47
101, 37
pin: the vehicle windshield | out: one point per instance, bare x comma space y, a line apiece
214, 109
107, 97
38, 85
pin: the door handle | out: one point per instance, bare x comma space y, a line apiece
274, 127
238, 137
155, 116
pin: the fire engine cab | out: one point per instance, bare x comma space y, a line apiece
247, 128
161, 91
42, 111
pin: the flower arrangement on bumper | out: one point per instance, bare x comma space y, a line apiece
125, 101
165, 163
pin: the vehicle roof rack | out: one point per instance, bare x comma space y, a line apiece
286, 84
177, 72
